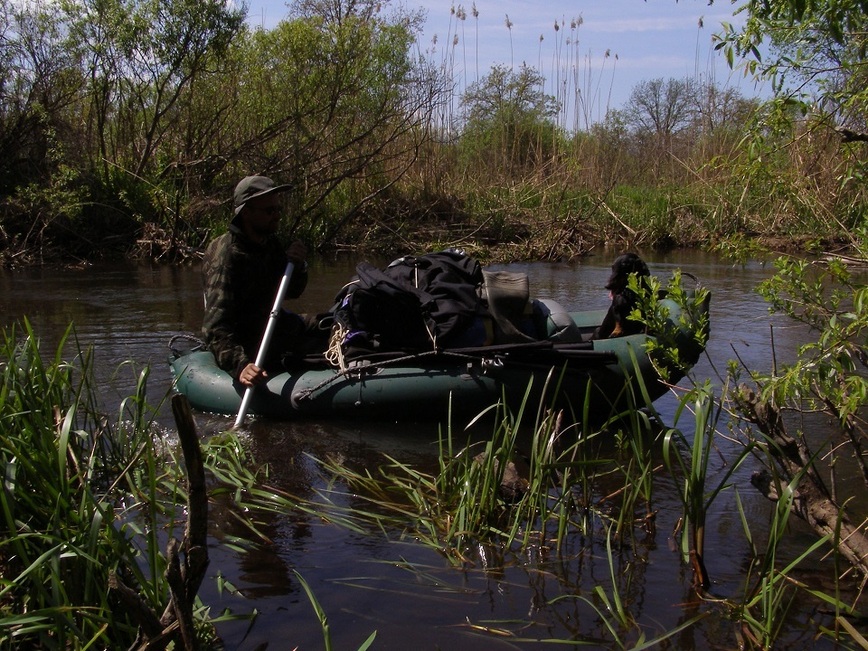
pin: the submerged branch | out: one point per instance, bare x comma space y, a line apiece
813, 502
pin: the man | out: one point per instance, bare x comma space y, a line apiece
243, 269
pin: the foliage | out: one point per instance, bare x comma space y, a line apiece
92, 93
676, 344
818, 43
486, 492
825, 296
157, 108
831, 300
478, 496
139, 58
126, 123
814, 55
67, 527
87, 502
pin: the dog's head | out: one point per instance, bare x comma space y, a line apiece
623, 266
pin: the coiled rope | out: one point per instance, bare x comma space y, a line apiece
334, 354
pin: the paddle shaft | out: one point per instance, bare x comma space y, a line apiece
266, 338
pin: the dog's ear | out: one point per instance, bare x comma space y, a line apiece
622, 267
639, 267
631, 263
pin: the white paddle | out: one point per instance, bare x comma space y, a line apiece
266, 338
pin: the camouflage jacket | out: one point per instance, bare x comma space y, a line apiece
241, 280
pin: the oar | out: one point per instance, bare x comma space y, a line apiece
266, 338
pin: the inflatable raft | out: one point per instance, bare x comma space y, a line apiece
430, 385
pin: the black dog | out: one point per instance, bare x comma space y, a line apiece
616, 323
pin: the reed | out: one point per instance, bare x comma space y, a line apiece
771, 586
636, 437
482, 493
68, 522
769, 592
689, 459
323, 618
460, 509
612, 612
88, 501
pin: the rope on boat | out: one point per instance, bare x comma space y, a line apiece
472, 355
368, 366
198, 344
334, 354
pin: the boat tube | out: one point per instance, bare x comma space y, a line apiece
566, 372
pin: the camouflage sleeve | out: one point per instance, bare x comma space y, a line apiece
221, 307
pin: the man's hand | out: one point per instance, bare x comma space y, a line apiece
297, 254
251, 375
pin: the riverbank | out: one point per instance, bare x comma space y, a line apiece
524, 242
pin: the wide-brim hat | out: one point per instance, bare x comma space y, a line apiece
251, 187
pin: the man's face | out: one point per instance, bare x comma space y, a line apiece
261, 216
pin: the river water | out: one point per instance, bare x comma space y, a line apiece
410, 594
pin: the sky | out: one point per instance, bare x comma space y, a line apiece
600, 51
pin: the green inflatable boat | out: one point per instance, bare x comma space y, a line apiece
563, 369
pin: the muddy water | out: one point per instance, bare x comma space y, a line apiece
409, 594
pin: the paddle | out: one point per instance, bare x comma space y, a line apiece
266, 338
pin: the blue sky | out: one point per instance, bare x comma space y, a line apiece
644, 40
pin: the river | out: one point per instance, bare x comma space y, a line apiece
409, 594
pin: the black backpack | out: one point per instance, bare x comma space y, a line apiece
416, 303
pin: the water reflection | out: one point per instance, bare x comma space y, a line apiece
408, 593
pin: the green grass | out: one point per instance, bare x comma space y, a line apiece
89, 501
68, 523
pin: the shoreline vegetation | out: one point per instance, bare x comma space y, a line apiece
126, 141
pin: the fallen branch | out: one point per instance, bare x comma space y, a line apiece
812, 502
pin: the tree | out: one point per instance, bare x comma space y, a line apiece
41, 190
509, 120
333, 103
140, 56
660, 108
657, 111
817, 57
720, 111
816, 53
830, 377
150, 109
39, 82
336, 11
